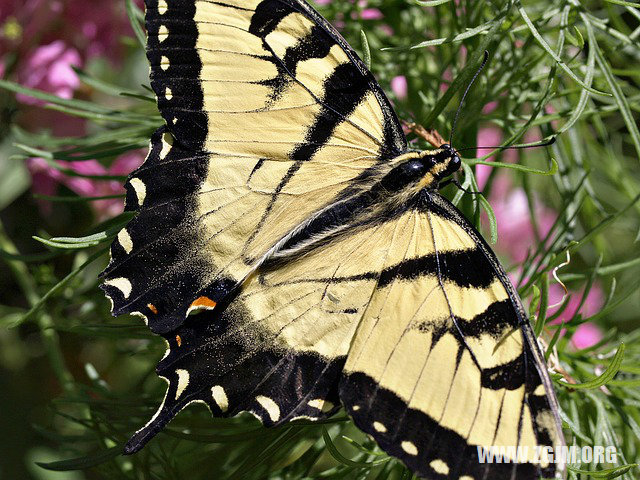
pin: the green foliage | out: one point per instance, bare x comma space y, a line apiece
564, 69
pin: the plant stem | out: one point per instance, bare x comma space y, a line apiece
50, 338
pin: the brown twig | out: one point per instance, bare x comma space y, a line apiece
430, 135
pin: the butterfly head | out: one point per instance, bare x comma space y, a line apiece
438, 164
447, 161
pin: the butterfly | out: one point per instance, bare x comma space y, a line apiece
297, 257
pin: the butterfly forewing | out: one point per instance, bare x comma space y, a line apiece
270, 117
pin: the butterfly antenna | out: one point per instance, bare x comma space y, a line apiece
543, 143
455, 119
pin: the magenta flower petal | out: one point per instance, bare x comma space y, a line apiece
586, 335
399, 87
386, 29
592, 304
49, 68
371, 14
489, 107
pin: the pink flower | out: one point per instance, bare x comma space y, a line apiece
592, 304
371, 14
516, 234
92, 28
447, 76
49, 68
48, 38
586, 335
399, 87
489, 107
323, 2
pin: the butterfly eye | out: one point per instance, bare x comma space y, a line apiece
454, 164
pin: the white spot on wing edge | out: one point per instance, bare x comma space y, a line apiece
167, 347
125, 240
270, 406
144, 319
183, 381
167, 142
304, 417
122, 284
440, 466
140, 188
220, 397
379, 427
320, 404
164, 63
466, 477
162, 7
163, 33
409, 447
168, 94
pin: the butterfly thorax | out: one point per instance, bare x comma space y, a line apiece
383, 196
416, 170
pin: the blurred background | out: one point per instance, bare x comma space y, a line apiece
75, 382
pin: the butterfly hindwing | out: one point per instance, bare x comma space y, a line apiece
262, 101
444, 360
278, 348
371, 310
156, 260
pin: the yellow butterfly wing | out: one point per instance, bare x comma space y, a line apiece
411, 316
278, 345
270, 116
444, 365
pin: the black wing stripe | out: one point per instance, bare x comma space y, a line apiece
395, 141
467, 268
411, 269
448, 444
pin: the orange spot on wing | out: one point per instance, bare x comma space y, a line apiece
179, 340
203, 302
153, 308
